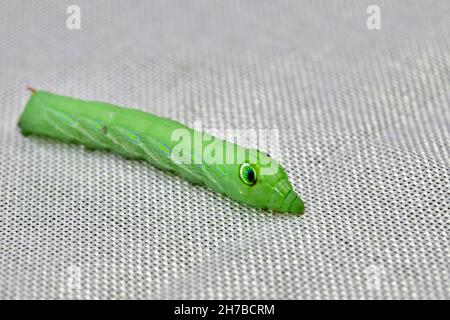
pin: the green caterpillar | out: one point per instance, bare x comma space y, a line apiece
245, 175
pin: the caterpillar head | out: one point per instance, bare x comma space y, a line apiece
260, 181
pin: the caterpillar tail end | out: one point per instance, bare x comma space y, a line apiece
19, 123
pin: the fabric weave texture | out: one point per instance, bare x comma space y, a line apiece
363, 116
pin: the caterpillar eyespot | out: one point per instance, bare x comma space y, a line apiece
139, 135
248, 174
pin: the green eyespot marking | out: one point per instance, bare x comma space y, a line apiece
248, 174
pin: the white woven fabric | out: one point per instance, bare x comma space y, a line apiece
364, 117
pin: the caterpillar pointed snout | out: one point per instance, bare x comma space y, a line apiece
293, 204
